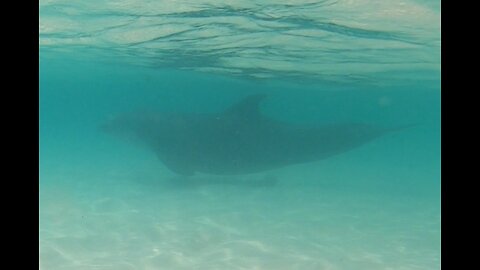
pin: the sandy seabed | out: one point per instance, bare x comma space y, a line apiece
125, 220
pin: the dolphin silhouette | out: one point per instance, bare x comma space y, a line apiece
239, 140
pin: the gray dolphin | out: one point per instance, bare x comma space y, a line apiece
239, 140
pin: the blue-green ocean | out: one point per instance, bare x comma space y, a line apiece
108, 203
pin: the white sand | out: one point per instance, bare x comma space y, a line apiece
140, 221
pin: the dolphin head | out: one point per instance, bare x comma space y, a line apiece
142, 126
147, 128
126, 123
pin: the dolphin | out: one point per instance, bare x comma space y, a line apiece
239, 140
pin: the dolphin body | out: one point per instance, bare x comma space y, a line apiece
239, 140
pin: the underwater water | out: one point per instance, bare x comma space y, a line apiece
106, 203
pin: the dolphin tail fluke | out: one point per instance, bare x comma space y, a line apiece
402, 127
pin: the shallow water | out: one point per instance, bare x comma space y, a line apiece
108, 204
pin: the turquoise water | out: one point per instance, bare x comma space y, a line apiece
109, 204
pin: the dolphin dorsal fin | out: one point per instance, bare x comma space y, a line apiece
247, 108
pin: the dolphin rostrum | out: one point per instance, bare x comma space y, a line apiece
239, 140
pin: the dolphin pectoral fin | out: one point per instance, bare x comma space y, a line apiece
178, 167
